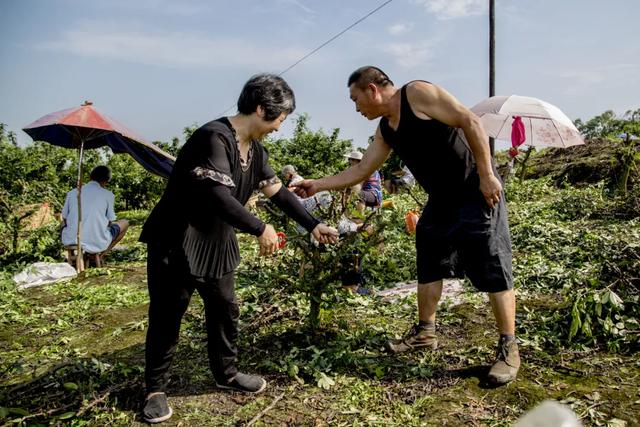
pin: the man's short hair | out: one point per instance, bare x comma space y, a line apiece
369, 74
288, 169
271, 92
101, 174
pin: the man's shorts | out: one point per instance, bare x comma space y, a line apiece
114, 229
471, 240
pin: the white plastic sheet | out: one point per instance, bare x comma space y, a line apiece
43, 273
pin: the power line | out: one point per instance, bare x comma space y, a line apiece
324, 44
336, 36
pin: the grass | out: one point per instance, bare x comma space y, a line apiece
103, 348
73, 353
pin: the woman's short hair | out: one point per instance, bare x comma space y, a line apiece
269, 91
369, 74
101, 174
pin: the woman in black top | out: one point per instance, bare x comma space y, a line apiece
191, 239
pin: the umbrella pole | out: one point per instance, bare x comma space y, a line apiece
79, 257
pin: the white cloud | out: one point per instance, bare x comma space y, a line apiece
164, 7
180, 49
397, 29
410, 55
451, 9
298, 4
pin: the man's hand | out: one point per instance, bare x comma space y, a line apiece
268, 240
325, 234
305, 188
491, 189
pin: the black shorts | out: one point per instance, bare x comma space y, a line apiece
471, 240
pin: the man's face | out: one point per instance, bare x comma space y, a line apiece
363, 98
353, 162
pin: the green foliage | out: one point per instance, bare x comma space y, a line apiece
627, 128
601, 313
41, 173
72, 353
565, 240
132, 186
609, 125
313, 153
31, 176
320, 267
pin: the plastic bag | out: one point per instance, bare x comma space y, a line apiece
411, 221
42, 273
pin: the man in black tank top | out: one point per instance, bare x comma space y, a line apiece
464, 228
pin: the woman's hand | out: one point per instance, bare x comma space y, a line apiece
325, 234
268, 241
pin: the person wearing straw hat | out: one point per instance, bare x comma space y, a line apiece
371, 189
464, 228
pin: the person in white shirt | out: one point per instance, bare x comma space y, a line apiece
100, 231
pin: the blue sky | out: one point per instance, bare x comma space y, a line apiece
161, 65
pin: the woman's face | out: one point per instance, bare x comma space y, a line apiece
266, 127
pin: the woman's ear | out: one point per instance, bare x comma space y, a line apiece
260, 111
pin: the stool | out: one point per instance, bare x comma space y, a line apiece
72, 253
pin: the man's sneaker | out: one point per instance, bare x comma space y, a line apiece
156, 408
417, 337
507, 363
243, 382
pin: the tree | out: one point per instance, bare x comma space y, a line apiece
320, 267
313, 153
31, 176
606, 125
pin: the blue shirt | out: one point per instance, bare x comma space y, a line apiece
97, 211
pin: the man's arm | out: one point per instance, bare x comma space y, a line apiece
435, 102
291, 206
65, 210
372, 159
111, 214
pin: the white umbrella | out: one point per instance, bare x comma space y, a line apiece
544, 124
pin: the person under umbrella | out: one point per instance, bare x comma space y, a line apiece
86, 127
101, 231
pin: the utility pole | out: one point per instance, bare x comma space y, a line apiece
492, 59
